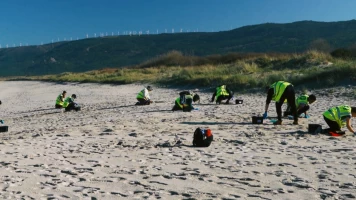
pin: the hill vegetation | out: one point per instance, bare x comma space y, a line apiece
239, 71
123, 51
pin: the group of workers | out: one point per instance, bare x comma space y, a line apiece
280, 92
66, 102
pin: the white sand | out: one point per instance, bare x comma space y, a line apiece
114, 150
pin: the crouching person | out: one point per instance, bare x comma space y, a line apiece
143, 97
185, 101
60, 100
69, 103
339, 116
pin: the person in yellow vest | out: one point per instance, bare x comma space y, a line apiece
60, 100
143, 97
222, 93
185, 101
339, 116
279, 92
302, 104
69, 103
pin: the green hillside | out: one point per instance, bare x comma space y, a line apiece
95, 53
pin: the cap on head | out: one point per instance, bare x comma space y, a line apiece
74, 96
149, 88
64, 92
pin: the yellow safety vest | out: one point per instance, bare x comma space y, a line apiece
59, 100
221, 90
186, 97
66, 101
278, 89
302, 99
140, 95
338, 114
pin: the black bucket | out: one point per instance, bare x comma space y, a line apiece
257, 120
4, 128
314, 128
239, 101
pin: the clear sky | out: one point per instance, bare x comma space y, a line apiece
41, 21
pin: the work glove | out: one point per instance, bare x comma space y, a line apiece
1, 121
307, 116
265, 115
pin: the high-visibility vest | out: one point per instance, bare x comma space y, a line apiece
66, 101
141, 94
338, 114
303, 99
59, 100
180, 104
278, 89
221, 90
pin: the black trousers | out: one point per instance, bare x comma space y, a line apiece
288, 94
334, 126
58, 106
70, 107
143, 102
299, 112
223, 97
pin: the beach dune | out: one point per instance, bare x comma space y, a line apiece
112, 149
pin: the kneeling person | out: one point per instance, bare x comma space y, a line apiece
339, 116
143, 97
302, 104
185, 101
69, 103
60, 100
222, 93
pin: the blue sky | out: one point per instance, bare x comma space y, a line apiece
41, 21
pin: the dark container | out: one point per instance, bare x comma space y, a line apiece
257, 120
4, 128
239, 101
314, 128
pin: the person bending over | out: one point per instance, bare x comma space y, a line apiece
69, 103
302, 104
222, 93
185, 101
339, 116
143, 97
279, 92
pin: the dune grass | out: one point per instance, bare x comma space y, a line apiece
239, 71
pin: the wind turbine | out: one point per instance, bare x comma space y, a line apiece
94, 34
87, 35
165, 30
157, 31
172, 30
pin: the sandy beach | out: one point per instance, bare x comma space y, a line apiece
112, 149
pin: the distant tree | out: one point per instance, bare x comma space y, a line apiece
320, 45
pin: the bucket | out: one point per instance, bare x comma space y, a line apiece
4, 128
257, 120
239, 101
314, 128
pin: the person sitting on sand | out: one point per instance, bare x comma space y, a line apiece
60, 100
302, 105
222, 93
143, 97
185, 101
69, 103
279, 92
339, 116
